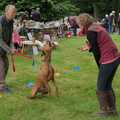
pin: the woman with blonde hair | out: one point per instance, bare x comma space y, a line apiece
107, 58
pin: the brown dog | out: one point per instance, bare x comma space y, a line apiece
46, 73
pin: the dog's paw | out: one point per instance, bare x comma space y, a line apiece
31, 97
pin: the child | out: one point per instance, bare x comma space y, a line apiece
16, 39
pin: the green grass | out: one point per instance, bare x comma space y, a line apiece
77, 99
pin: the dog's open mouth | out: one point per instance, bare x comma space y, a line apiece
43, 53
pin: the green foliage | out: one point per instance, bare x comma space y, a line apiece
56, 9
53, 10
50, 9
3, 3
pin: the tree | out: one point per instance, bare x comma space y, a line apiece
56, 9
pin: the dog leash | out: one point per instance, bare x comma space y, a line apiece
23, 55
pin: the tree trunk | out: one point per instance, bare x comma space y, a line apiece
95, 10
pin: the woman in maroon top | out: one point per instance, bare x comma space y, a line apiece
107, 58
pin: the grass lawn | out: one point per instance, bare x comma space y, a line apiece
77, 88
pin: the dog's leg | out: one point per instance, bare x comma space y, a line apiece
51, 77
34, 91
48, 87
53, 81
43, 90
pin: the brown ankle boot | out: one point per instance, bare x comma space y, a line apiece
103, 102
112, 103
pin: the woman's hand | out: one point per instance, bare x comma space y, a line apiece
86, 47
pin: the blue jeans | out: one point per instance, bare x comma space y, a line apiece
110, 28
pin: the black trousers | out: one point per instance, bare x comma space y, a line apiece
106, 75
119, 29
